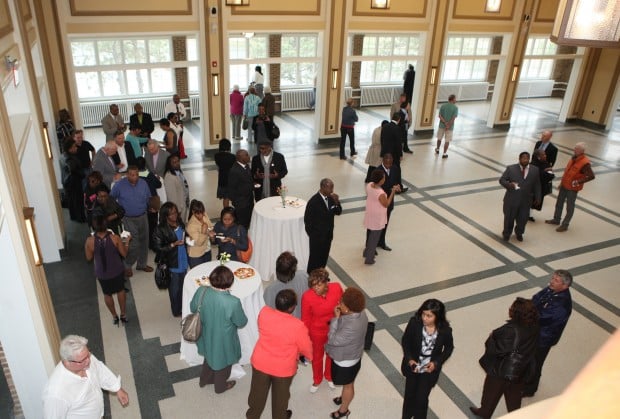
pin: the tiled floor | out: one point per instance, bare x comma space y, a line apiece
445, 233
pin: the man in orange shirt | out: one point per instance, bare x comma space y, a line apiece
578, 171
281, 338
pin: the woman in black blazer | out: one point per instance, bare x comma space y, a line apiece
427, 345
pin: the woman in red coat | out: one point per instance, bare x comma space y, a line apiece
317, 309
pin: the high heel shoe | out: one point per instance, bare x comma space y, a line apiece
124, 319
338, 414
116, 320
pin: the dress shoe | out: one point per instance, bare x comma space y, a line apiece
386, 248
408, 151
527, 394
343, 158
561, 228
475, 411
552, 221
520, 237
505, 237
147, 268
445, 156
531, 219
372, 262
353, 155
403, 190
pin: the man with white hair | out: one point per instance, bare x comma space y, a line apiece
578, 171
104, 163
545, 144
74, 388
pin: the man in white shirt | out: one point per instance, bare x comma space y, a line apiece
176, 107
74, 388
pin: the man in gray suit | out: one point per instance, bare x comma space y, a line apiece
112, 122
155, 158
104, 163
522, 183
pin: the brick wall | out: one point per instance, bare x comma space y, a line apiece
275, 48
179, 51
356, 69
17, 407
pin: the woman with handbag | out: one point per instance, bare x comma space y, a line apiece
509, 358
427, 344
221, 315
107, 249
198, 227
169, 244
228, 235
345, 346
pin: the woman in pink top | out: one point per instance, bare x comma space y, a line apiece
375, 217
236, 111
317, 309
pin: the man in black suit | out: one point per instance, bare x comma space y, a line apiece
241, 188
392, 177
522, 183
319, 222
545, 144
391, 139
143, 121
268, 169
125, 155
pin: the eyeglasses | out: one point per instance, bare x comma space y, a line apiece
81, 361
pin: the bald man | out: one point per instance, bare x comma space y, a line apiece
545, 144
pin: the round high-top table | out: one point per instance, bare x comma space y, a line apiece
249, 291
275, 229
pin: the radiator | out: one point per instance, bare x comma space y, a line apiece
535, 88
379, 95
93, 112
194, 102
293, 100
463, 91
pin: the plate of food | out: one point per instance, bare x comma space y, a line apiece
244, 273
294, 203
203, 281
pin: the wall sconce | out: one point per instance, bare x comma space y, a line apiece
10, 62
32, 235
433, 75
334, 78
515, 73
493, 6
215, 79
379, 4
237, 2
46, 141
591, 23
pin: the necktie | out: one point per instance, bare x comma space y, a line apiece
523, 172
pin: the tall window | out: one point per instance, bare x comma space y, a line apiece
116, 67
193, 75
299, 66
535, 67
385, 58
244, 54
472, 61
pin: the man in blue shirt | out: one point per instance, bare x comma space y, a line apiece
554, 304
133, 194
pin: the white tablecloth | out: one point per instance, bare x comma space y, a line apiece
274, 229
249, 291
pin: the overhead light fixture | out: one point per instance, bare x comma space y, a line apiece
215, 78
493, 6
588, 23
334, 78
515, 73
433, 75
237, 2
379, 4
32, 235
46, 141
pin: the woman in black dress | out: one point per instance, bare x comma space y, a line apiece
224, 160
72, 177
427, 344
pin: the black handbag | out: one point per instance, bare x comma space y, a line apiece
275, 132
370, 334
162, 276
244, 123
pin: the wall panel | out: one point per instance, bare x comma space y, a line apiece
124, 7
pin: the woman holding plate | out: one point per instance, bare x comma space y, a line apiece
229, 235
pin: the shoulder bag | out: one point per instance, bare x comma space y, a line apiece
191, 326
245, 255
275, 131
244, 123
162, 276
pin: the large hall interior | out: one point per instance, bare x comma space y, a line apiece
512, 82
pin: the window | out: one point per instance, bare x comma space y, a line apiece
113, 67
299, 66
469, 67
538, 68
244, 55
385, 58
